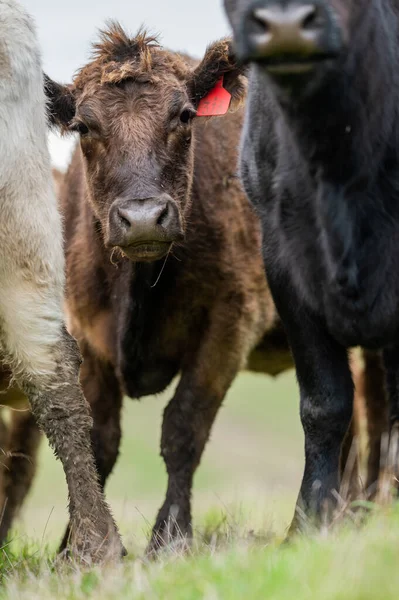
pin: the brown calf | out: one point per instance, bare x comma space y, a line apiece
164, 270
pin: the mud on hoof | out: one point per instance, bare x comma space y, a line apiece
171, 533
88, 546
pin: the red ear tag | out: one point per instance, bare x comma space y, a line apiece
216, 102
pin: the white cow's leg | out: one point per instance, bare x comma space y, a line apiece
45, 362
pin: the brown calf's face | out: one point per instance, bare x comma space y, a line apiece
134, 107
136, 141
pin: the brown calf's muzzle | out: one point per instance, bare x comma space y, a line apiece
144, 228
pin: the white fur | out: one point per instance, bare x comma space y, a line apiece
31, 252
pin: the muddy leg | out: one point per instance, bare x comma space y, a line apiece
187, 423
19, 468
103, 393
62, 413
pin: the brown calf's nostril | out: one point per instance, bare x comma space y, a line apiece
124, 221
163, 216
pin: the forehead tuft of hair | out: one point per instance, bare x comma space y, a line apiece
116, 45
116, 57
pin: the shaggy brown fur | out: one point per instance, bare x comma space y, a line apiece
199, 312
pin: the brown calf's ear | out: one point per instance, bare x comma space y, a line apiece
220, 62
61, 104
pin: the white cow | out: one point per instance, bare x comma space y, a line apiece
40, 359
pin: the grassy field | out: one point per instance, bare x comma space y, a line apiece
243, 500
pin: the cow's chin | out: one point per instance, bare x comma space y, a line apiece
147, 252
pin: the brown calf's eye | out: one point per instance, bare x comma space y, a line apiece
186, 116
83, 129
80, 128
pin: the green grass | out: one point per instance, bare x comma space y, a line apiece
243, 500
356, 563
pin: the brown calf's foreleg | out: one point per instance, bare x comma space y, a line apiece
19, 466
102, 391
188, 420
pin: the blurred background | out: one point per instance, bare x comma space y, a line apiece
253, 462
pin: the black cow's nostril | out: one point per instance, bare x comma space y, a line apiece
285, 34
163, 216
259, 23
272, 20
311, 19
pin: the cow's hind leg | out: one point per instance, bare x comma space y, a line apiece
45, 361
351, 461
390, 461
19, 466
377, 415
349, 464
189, 417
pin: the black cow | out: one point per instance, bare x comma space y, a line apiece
320, 161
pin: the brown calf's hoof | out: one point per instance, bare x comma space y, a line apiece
172, 533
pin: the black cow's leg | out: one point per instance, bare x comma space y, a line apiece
326, 405
326, 393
